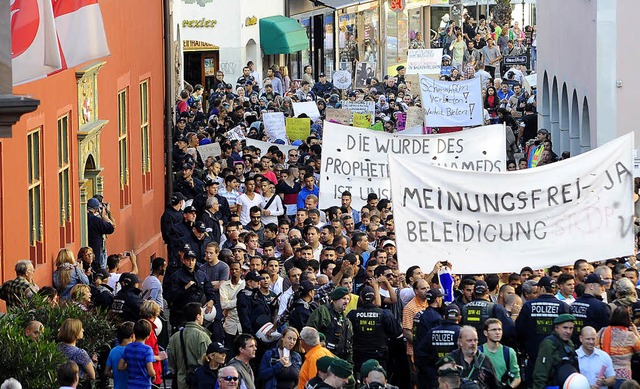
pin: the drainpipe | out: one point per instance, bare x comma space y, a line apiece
168, 100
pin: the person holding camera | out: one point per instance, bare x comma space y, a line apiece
476, 366
504, 359
99, 223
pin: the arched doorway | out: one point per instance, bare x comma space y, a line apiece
90, 184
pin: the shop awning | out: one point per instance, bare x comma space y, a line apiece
282, 35
339, 4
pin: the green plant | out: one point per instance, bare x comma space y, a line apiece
502, 12
32, 363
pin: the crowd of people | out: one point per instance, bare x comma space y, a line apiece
262, 289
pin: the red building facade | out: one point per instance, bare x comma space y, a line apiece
98, 130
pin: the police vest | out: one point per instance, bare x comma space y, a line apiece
543, 313
443, 341
337, 333
476, 313
368, 331
579, 310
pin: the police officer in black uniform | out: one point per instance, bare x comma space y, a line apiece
481, 308
373, 327
439, 341
127, 302
189, 285
535, 321
588, 309
253, 309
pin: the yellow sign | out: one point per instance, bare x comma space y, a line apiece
298, 128
250, 21
191, 45
362, 120
199, 23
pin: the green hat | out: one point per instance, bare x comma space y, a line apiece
323, 363
449, 372
444, 360
369, 366
565, 317
339, 293
323, 338
341, 368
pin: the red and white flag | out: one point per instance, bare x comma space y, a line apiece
34, 46
80, 31
52, 35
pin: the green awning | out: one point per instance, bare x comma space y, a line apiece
282, 35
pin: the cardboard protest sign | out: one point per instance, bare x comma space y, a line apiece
236, 133
209, 150
415, 117
264, 146
424, 61
362, 120
401, 120
359, 106
308, 107
340, 116
485, 222
342, 79
355, 159
274, 125
451, 103
298, 128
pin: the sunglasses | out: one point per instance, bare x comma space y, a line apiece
230, 378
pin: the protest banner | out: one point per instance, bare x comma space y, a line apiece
342, 79
209, 150
308, 107
264, 146
361, 106
424, 61
401, 120
340, 116
355, 159
236, 133
483, 222
274, 125
451, 103
362, 120
298, 129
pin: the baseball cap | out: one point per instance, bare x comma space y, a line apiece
433, 293
93, 203
129, 279
177, 198
547, 282
216, 347
240, 246
388, 243
190, 254
252, 276
190, 208
306, 286
593, 278
101, 273
200, 226
480, 287
452, 311
367, 294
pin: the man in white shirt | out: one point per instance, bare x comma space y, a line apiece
595, 364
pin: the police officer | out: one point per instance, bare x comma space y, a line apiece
127, 302
557, 358
189, 285
329, 319
372, 329
535, 321
440, 341
588, 309
253, 309
476, 312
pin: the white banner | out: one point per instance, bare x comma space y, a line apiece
361, 106
451, 103
210, 150
264, 146
274, 125
308, 107
355, 159
482, 222
424, 61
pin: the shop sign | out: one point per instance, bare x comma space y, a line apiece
198, 23
250, 21
397, 5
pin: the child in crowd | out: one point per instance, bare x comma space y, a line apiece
125, 336
138, 358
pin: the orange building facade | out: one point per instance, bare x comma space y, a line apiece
98, 130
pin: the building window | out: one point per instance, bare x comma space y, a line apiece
64, 192
123, 147
35, 196
144, 135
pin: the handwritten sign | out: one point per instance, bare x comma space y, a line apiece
274, 125
401, 120
236, 133
209, 150
360, 106
298, 128
307, 107
451, 103
362, 120
424, 61
342, 79
340, 116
